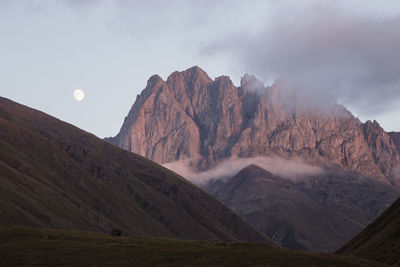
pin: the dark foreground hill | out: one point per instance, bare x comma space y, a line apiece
55, 175
33, 247
380, 241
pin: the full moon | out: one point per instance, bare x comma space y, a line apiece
78, 94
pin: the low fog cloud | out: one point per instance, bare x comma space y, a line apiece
396, 175
293, 170
353, 58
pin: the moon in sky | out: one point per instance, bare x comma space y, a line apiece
78, 94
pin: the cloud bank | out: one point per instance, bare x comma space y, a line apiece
293, 170
351, 57
396, 175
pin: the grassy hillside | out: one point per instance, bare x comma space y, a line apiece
55, 175
28, 246
380, 241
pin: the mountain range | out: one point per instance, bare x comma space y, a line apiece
54, 175
192, 117
195, 125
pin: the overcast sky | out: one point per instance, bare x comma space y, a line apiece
345, 49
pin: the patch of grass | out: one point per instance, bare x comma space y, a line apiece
34, 246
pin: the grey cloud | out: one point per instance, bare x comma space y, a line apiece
353, 58
293, 169
396, 175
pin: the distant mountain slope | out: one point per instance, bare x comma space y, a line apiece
192, 117
317, 213
53, 174
380, 241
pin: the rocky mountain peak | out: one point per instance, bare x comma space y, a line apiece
254, 171
203, 121
154, 81
373, 125
191, 77
196, 72
251, 83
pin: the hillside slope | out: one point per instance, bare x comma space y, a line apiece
53, 174
380, 241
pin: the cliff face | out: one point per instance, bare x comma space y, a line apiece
396, 139
192, 117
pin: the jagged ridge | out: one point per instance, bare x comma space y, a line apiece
192, 117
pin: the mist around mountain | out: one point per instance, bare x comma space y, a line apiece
331, 164
54, 175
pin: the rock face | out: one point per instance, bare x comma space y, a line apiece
192, 117
396, 139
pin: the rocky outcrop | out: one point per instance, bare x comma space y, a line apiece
396, 139
192, 117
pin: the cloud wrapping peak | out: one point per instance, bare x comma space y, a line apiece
293, 170
353, 58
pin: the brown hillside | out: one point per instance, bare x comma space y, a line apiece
53, 174
380, 241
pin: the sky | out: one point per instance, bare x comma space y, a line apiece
348, 50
